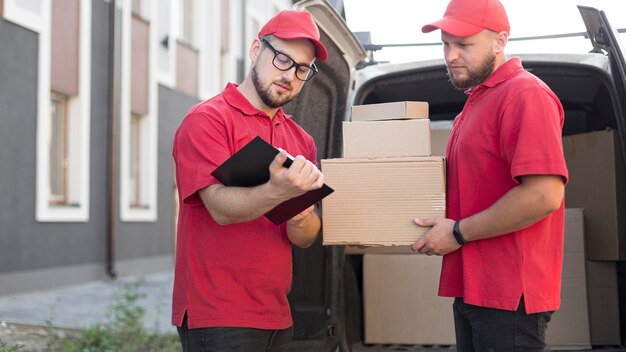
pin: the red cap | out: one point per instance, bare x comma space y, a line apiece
468, 17
293, 24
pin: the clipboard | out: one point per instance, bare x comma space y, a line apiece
249, 167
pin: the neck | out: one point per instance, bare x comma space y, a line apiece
500, 60
249, 92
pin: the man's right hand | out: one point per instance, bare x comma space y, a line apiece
302, 176
229, 205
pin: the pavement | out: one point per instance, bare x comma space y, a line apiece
83, 306
25, 317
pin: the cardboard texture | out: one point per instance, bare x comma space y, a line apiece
603, 303
381, 139
401, 305
351, 249
439, 134
569, 327
390, 111
597, 183
376, 200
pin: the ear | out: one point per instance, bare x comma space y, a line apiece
500, 42
255, 49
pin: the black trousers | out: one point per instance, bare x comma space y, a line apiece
480, 329
234, 339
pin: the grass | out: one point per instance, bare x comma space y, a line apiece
122, 332
5, 348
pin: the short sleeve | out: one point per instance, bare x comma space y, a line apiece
200, 146
531, 130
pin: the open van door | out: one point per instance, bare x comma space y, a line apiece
316, 298
605, 39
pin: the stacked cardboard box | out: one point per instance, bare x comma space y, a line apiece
386, 178
401, 305
594, 240
400, 301
439, 132
597, 184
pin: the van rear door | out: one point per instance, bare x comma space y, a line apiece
606, 39
316, 296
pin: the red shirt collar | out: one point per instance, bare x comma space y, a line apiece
234, 97
500, 74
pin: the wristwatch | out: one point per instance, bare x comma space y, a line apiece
457, 233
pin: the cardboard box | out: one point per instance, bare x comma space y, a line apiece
352, 249
400, 300
376, 200
597, 183
569, 327
439, 134
401, 305
603, 303
382, 139
390, 111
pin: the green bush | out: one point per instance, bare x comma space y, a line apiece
124, 332
5, 348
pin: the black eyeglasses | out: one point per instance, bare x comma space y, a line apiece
284, 63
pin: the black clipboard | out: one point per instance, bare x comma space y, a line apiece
249, 167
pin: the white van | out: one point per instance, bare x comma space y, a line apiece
326, 296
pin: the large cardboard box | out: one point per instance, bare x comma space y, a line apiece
439, 133
597, 183
376, 200
569, 328
390, 111
401, 305
603, 303
382, 139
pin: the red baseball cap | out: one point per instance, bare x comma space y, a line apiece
468, 17
294, 24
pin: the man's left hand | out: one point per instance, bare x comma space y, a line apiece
438, 240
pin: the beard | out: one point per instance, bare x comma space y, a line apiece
266, 95
475, 77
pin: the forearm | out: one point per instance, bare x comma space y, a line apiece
303, 233
534, 198
229, 205
522, 206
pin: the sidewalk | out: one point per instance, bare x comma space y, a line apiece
82, 306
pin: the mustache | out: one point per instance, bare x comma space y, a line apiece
284, 82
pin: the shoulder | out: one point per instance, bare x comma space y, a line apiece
213, 109
524, 85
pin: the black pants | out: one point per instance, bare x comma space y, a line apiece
480, 329
233, 339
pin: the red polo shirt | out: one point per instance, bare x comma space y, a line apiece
235, 275
510, 126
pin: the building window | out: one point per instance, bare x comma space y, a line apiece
137, 163
138, 117
137, 7
187, 22
29, 13
141, 8
166, 40
58, 146
63, 106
